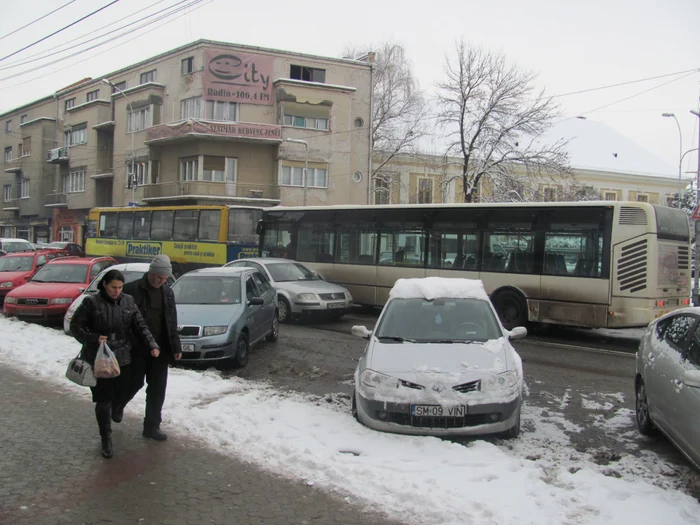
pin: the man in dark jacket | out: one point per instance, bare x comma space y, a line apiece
156, 301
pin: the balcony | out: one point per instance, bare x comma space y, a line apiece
56, 200
103, 173
11, 205
262, 194
204, 129
13, 165
58, 156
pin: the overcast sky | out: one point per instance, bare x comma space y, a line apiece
573, 46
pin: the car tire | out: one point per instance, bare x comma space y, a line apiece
284, 310
240, 359
511, 308
644, 423
275, 331
514, 431
353, 410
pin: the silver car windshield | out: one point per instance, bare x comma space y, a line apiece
286, 272
16, 264
209, 289
452, 320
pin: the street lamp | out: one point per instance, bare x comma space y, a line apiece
306, 162
680, 156
133, 151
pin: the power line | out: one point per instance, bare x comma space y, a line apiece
62, 29
35, 21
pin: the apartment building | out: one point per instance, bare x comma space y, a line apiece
209, 122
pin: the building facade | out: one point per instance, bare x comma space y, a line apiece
207, 123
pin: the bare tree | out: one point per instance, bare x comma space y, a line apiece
494, 118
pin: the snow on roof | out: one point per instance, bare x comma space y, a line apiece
433, 287
596, 146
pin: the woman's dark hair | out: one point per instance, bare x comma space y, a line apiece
112, 275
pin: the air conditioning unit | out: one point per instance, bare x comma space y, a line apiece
256, 194
54, 154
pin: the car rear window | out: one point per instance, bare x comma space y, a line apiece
16, 264
62, 273
16, 246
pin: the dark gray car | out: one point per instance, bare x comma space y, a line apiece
221, 312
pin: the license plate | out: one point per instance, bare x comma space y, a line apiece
30, 312
335, 305
438, 411
188, 348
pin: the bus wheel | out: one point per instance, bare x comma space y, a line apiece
511, 308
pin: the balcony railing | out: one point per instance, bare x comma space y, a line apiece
56, 200
58, 155
11, 204
225, 191
13, 165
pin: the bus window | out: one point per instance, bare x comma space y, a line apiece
241, 225
209, 224
509, 252
125, 229
277, 239
142, 225
185, 225
108, 224
357, 245
452, 250
401, 248
315, 245
577, 254
162, 225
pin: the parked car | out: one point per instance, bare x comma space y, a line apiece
9, 245
221, 312
300, 291
68, 248
51, 291
131, 271
439, 363
17, 268
667, 383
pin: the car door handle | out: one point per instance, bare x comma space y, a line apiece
651, 357
678, 384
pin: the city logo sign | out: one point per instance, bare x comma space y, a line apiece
143, 249
237, 77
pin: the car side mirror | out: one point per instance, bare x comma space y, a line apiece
81, 290
361, 331
319, 276
256, 301
691, 378
519, 332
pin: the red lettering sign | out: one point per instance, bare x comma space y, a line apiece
231, 76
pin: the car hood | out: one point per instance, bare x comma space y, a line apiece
15, 276
51, 290
309, 287
208, 314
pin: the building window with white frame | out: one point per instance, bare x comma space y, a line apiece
218, 169
642, 198
148, 76
187, 65
425, 191
317, 178
189, 168
8, 154
306, 122
65, 234
22, 119
549, 194
292, 176
119, 86
69, 103
93, 95
76, 136
8, 125
139, 119
74, 182
307, 74
382, 191
225, 111
26, 146
610, 196
24, 188
191, 108
142, 173
7, 192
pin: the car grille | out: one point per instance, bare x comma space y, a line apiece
190, 355
332, 296
33, 302
408, 384
470, 420
189, 331
472, 386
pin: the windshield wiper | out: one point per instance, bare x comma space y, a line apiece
38, 281
395, 338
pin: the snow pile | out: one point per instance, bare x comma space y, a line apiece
438, 287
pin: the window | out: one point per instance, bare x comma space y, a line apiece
93, 95
189, 168
317, 178
8, 154
74, 181
218, 169
7, 192
185, 227
549, 194
23, 232
262, 283
139, 119
292, 176
511, 252
425, 191
142, 225
209, 223
451, 249
693, 354
76, 136
315, 244
190, 108
187, 65
357, 244
22, 119
119, 86
125, 227
306, 122
610, 196
108, 224
218, 110
404, 248
162, 225
69, 103
308, 74
250, 289
148, 76
142, 177
670, 200
242, 224
642, 198
26, 146
24, 188
676, 331
8, 125
382, 192
573, 253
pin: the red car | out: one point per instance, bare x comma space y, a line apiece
17, 268
67, 248
50, 292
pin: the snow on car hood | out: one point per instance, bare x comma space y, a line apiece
433, 287
50, 290
208, 314
309, 287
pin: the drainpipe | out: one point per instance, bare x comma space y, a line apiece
371, 145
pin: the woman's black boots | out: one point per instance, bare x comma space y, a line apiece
104, 421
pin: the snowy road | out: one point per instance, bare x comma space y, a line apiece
550, 475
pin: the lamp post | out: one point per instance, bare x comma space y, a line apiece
306, 162
680, 155
133, 151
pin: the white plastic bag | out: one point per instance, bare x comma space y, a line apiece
106, 365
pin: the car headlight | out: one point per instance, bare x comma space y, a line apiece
7, 284
502, 381
348, 296
10, 300
62, 300
306, 297
215, 330
374, 379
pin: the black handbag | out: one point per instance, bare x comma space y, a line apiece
80, 372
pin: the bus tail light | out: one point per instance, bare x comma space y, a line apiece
686, 302
660, 302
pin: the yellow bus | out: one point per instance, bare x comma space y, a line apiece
192, 236
589, 264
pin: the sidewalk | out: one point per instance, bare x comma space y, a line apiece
51, 473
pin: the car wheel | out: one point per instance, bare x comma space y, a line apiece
644, 422
514, 431
511, 309
284, 311
353, 410
242, 350
275, 331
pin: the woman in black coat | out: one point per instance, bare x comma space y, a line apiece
109, 316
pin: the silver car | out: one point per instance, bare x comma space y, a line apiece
221, 312
300, 291
667, 382
439, 363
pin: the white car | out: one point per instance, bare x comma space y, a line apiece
439, 363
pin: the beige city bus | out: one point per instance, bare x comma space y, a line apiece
589, 264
